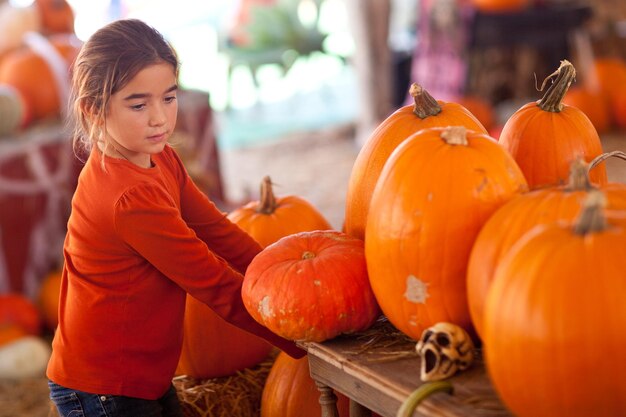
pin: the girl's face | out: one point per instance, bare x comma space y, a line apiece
142, 115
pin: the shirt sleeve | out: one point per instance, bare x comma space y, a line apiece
148, 220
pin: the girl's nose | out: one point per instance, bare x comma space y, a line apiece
158, 116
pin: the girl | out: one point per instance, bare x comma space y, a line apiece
140, 236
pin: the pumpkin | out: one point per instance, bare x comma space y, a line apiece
607, 73
479, 107
424, 113
500, 6
17, 309
593, 104
48, 298
311, 286
290, 391
270, 218
618, 106
10, 332
515, 218
57, 16
33, 77
555, 319
213, 347
545, 137
435, 193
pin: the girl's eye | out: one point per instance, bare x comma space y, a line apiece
170, 99
138, 106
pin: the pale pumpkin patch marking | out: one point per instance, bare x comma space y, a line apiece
416, 290
264, 307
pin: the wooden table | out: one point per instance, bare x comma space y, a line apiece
373, 381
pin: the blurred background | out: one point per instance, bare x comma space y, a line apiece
286, 88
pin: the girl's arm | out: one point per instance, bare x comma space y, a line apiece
148, 221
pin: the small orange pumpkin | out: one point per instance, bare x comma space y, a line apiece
271, 218
311, 286
57, 16
435, 193
17, 309
593, 104
424, 113
545, 137
48, 298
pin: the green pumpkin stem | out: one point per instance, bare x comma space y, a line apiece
267, 204
420, 394
592, 219
552, 99
455, 135
425, 105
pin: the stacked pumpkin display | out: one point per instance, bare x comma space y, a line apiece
36, 51
461, 228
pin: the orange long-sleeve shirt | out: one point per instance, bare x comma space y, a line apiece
138, 239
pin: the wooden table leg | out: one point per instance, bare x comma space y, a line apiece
328, 400
357, 410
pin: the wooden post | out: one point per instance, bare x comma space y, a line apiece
328, 400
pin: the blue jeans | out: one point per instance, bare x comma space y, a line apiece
72, 403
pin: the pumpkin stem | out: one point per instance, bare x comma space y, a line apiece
267, 205
308, 255
600, 158
455, 135
552, 100
591, 219
579, 176
420, 394
425, 104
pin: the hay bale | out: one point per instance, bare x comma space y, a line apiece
238, 395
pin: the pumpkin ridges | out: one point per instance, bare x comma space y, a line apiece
426, 217
512, 220
547, 326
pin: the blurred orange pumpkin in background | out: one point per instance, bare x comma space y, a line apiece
19, 310
48, 299
34, 78
57, 16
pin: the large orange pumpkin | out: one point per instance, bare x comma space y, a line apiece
311, 286
555, 320
424, 113
17, 309
545, 137
10, 332
435, 193
213, 347
32, 76
290, 391
270, 218
515, 218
